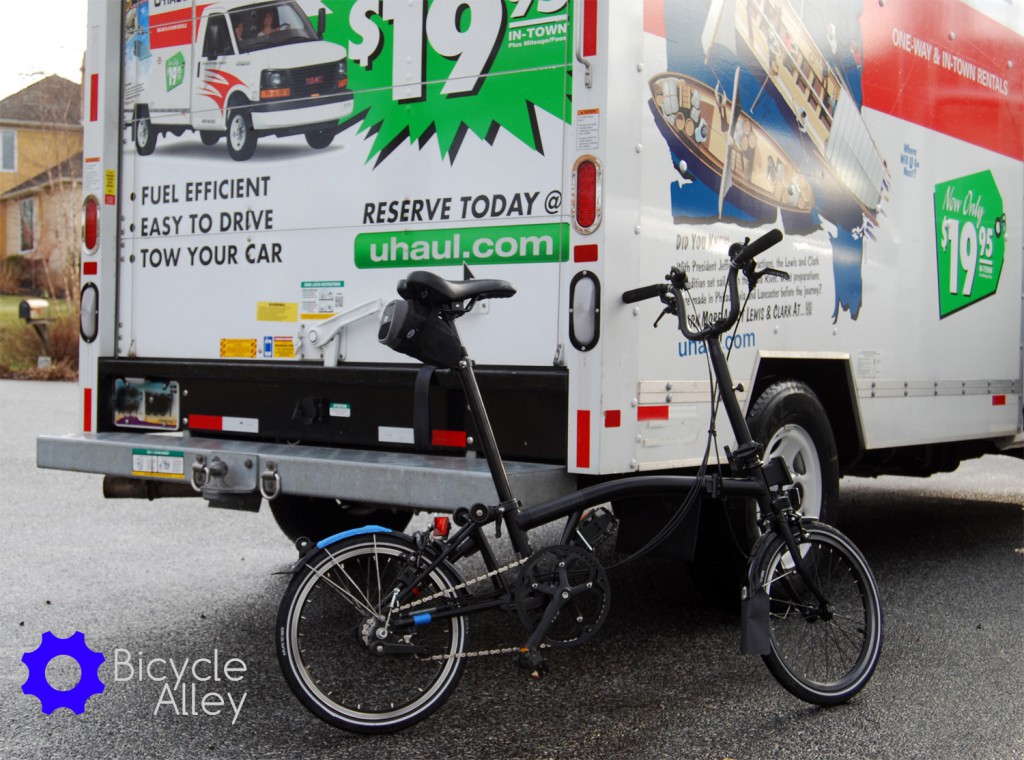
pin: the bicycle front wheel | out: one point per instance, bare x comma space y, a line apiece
823, 654
331, 624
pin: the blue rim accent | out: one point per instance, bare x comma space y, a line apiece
365, 530
422, 619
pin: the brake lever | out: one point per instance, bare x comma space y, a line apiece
774, 273
753, 277
669, 299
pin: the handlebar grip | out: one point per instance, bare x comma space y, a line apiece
759, 246
642, 294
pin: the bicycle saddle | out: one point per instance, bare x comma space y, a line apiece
437, 291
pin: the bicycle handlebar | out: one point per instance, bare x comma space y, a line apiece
747, 253
740, 255
642, 294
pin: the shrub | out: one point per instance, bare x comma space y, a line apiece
20, 347
14, 274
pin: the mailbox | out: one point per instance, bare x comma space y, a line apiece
34, 310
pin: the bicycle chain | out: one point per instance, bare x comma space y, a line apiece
459, 587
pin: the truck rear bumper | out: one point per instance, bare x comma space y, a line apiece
417, 481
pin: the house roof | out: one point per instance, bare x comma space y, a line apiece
54, 100
67, 170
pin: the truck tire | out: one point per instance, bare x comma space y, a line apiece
320, 138
789, 421
145, 135
241, 137
209, 137
316, 519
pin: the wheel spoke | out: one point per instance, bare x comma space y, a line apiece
822, 653
331, 609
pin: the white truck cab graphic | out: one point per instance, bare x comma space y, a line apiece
234, 69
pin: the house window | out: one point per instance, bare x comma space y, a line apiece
28, 224
8, 150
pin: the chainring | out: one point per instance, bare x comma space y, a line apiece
552, 569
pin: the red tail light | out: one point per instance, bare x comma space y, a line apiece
90, 223
587, 194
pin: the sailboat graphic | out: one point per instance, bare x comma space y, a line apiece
811, 96
725, 148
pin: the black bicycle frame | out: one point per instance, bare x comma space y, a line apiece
519, 520
752, 481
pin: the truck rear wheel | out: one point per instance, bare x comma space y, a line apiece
145, 135
316, 519
790, 421
320, 138
241, 136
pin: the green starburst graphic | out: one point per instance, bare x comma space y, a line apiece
442, 68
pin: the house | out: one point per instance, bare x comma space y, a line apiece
40, 181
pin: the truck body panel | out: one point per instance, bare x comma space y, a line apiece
575, 149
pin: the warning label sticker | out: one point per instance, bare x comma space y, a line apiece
238, 348
272, 311
158, 464
322, 298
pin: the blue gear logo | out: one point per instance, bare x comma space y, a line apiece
89, 662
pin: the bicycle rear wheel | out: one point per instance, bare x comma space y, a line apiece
328, 621
821, 654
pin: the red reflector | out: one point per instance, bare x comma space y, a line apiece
582, 439
87, 403
999, 400
453, 438
441, 526
94, 97
205, 422
584, 253
90, 268
589, 27
644, 413
91, 223
586, 194
613, 418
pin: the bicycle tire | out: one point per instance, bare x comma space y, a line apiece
822, 657
327, 606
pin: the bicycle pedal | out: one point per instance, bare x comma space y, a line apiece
531, 659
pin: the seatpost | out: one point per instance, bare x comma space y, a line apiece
490, 448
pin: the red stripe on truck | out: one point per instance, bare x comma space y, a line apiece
170, 29
87, 403
969, 64
589, 27
583, 439
205, 422
645, 413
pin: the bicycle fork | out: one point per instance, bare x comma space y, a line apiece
755, 603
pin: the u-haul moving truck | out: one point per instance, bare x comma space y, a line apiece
237, 69
575, 149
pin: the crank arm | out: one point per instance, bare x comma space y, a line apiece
396, 647
554, 607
